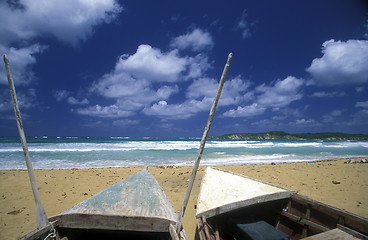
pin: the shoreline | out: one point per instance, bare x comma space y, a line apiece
330, 181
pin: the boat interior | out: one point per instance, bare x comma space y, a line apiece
295, 218
79, 234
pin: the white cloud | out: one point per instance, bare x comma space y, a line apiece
132, 82
362, 104
331, 116
178, 111
74, 101
278, 95
197, 66
328, 94
246, 111
140, 82
232, 92
68, 20
112, 111
203, 87
281, 94
125, 122
61, 95
27, 99
342, 63
305, 122
197, 40
243, 26
359, 89
151, 64
21, 61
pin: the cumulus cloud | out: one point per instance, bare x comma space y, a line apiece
342, 63
200, 96
232, 92
61, 95
132, 83
197, 66
277, 95
331, 116
243, 26
197, 40
111, 111
178, 111
151, 64
139, 82
324, 94
125, 122
305, 122
74, 101
27, 99
281, 94
69, 20
21, 61
247, 111
362, 104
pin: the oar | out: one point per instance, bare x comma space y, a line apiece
203, 142
42, 220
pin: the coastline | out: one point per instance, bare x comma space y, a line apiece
330, 181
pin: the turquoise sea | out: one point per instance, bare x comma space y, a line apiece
96, 152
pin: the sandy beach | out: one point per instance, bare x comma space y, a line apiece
330, 181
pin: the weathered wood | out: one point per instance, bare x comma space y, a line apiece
226, 196
40, 232
303, 221
222, 191
40, 211
327, 215
173, 234
332, 235
352, 232
137, 203
203, 142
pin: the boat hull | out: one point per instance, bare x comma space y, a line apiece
268, 207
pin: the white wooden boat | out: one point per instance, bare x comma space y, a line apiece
135, 208
232, 206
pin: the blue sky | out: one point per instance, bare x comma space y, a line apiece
150, 68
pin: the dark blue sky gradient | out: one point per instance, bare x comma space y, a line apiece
298, 66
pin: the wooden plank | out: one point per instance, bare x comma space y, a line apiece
332, 235
200, 226
136, 203
203, 142
352, 232
223, 191
303, 221
329, 215
40, 232
40, 211
173, 234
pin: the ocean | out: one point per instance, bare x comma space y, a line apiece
98, 152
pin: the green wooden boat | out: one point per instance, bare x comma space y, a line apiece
135, 208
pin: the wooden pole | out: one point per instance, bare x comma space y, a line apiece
203, 142
42, 220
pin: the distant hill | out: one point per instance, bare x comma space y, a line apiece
284, 135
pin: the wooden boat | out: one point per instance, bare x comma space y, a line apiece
232, 206
135, 208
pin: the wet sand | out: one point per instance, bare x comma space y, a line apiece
331, 181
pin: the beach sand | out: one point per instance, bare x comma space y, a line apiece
330, 181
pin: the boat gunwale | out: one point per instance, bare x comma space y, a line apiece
287, 193
115, 222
